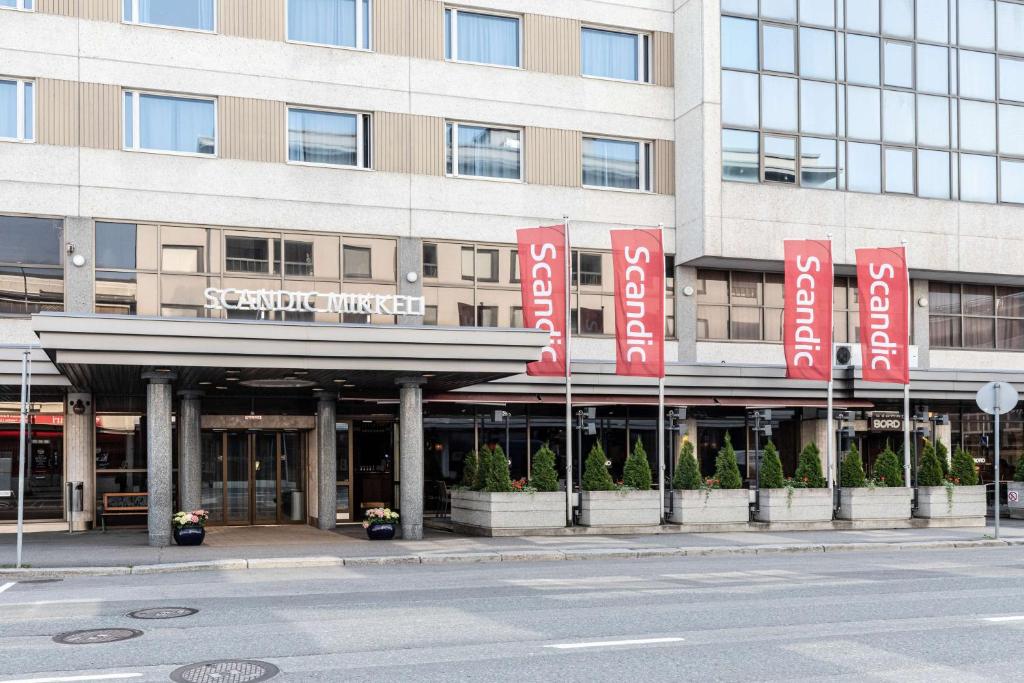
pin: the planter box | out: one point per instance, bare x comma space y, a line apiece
968, 501
718, 506
620, 508
509, 510
806, 505
881, 502
1016, 508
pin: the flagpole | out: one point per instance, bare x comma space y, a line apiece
906, 387
830, 450
661, 385
568, 375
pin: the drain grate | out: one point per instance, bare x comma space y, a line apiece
225, 671
96, 636
162, 613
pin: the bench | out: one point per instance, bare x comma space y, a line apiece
123, 505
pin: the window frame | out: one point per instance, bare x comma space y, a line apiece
644, 54
454, 37
454, 173
136, 122
994, 318
361, 248
19, 96
20, 6
135, 22
364, 142
646, 180
364, 43
432, 274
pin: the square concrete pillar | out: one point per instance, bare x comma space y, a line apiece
410, 424
190, 450
327, 464
159, 457
80, 456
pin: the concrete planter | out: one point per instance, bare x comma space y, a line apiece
882, 503
806, 505
934, 502
718, 506
509, 510
620, 508
1016, 508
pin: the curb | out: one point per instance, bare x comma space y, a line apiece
496, 556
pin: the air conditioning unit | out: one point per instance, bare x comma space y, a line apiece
849, 356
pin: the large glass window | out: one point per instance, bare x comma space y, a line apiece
615, 54
17, 110
164, 123
479, 151
193, 14
358, 262
739, 43
116, 245
481, 38
621, 164
247, 255
966, 316
343, 23
31, 275
328, 138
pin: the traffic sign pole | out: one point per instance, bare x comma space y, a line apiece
995, 389
996, 398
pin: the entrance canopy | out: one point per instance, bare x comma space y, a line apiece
111, 354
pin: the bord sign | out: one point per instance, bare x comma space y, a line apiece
269, 300
885, 422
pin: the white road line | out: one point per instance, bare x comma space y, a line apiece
612, 643
85, 677
1013, 618
7, 585
52, 602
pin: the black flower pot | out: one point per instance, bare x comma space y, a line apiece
189, 535
380, 532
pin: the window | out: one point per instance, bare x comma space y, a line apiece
486, 316
517, 317
430, 315
588, 269
192, 14
357, 262
31, 275
621, 164
487, 265
26, 5
966, 316
513, 270
739, 306
298, 258
615, 54
740, 151
779, 159
247, 255
482, 152
181, 259
17, 110
342, 23
116, 245
429, 260
739, 43
328, 138
481, 38
468, 264
165, 123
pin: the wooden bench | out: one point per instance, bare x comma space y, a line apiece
123, 505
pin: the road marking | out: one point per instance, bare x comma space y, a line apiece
51, 602
613, 643
86, 677
7, 585
1013, 618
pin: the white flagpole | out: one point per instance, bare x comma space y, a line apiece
568, 374
830, 448
661, 384
906, 387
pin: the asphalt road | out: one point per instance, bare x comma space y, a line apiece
905, 616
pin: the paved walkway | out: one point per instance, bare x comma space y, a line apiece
129, 548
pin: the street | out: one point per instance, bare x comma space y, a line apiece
908, 615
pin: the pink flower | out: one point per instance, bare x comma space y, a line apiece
193, 518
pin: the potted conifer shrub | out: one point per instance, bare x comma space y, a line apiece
495, 503
804, 498
883, 498
1016, 506
605, 503
957, 496
699, 500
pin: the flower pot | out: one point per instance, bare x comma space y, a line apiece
1016, 506
539, 510
804, 505
881, 503
961, 502
380, 532
189, 535
716, 506
620, 508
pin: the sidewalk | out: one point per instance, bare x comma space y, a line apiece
282, 546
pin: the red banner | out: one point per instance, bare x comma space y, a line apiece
639, 262
542, 279
807, 320
883, 285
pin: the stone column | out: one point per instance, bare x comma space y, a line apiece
158, 457
190, 451
921, 331
327, 464
410, 260
79, 281
80, 456
410, 423
686, 313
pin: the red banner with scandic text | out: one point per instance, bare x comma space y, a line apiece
639, 263
807, 319
884, 288
543, 283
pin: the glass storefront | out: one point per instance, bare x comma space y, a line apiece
44, 468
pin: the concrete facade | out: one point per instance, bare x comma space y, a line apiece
327, 449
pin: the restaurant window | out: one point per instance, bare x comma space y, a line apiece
120, 455
192, 14
328, 138
17, 110
341, 23
298, 258
481, 38
966, 316
173, 124
429, 260
44, 464
617, 164
247, 255
618, 55
31, 274
483, 152
357, 262
181, 259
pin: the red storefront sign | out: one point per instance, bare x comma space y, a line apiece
807, 320
884, 288
639, 263
542, 279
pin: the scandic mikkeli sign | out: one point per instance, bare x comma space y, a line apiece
270, 300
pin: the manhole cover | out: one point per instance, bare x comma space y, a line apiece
225, 671
162, 613
94, 636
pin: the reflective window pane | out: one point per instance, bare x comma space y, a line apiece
779, 9
862, 60
898, 117
31, 240
862, 15
899, 171
899, 63
740, 151
8, 109
977, 75
194, 14
933, 20
739, 99
739, 43
818, 167
898, 18
740, 6
932, 69
779, 159
326, 22
611, 163
1011, 79
817, 54
321, 137
115, 245
487, 39
863, 113
1011, 181
779, 48
933, 174
1011, 129
978, 300
488, 152
820, 12
977, 24
864, 165
977, 126
977, 178
610, 54
778, 103
1010, 26
932, 121
817, 108
176, 124
943, 297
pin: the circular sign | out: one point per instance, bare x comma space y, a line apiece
1012, 496
997, 398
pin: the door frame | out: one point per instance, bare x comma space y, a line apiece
250, 436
